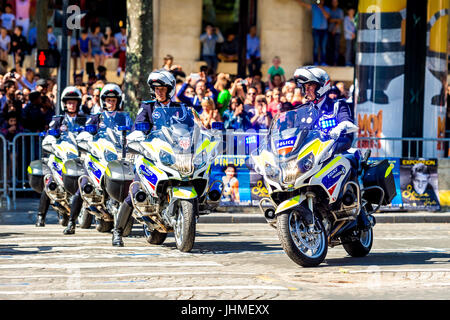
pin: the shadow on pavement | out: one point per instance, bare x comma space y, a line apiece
391, 259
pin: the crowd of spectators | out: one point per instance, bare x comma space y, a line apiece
328, 25
249, 103
28, 102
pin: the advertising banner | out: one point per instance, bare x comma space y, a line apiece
379, 83
234, 174
419, 184
435, 104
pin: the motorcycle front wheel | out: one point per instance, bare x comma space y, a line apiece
305, 247
184, 229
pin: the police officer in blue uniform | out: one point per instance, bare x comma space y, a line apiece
111, 102
162, 86
315, 84
70, 105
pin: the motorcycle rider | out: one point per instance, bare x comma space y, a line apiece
162, 87
111, 101
315, 84
70, 106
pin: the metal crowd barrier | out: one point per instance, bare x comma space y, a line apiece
386, 147
25, 148
4, 173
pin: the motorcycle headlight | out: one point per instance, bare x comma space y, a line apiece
109, 155
306, 163
166, 158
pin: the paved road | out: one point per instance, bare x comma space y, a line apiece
229, 261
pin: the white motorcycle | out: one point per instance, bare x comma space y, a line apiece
173, 164
107, 145
49, 174
318, 198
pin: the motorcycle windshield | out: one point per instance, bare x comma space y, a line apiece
179, 138
67, 139
291, 130
111, 127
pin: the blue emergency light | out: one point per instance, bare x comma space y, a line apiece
142, 126
91, 128
53, 132
327, 123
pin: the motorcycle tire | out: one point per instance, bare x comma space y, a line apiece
360, 247
287, 227
64, 219
127, 230
104, 226
85, 219
184, 229
154, 237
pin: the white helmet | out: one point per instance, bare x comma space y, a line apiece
309, 74
70, 93
111, 90
163, 78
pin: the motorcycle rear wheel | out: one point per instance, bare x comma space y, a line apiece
154, 237
104, 226
85, 219
303, 247
184, 229
360, 247
63, 219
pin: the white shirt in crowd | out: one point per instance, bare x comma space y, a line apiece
4, 42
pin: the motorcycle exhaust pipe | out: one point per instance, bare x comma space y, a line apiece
88, 188
52, 186
214, 195
140, 196
269, 214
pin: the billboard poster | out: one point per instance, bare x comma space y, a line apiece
232, 171
379, 83
435, 104
397, 202
419, 184
258, 188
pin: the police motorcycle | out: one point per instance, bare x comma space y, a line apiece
102, 145
49, 174
317, 198
172, 165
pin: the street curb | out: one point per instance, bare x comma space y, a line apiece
407, 217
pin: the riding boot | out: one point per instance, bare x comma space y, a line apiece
75, 208
123, 215
40, 220
70, 228
44, 203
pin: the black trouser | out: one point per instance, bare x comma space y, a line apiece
77, 202
44, 204
126, 208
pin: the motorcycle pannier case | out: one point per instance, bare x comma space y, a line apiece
36, 172
118, 177
72, 170
379, 174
